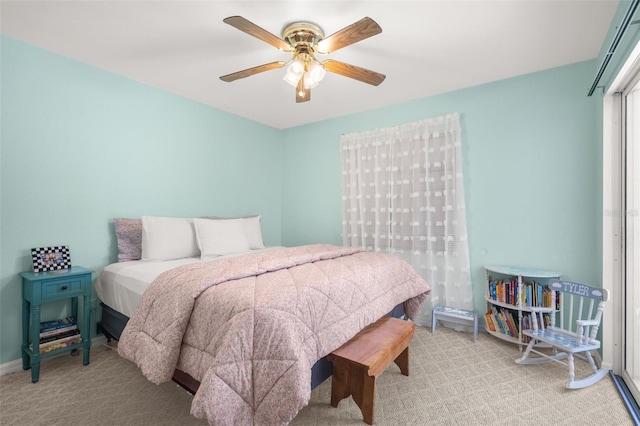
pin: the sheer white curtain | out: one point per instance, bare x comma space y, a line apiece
403, 193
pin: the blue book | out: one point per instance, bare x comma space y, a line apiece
55, 324
496, 314
539, 296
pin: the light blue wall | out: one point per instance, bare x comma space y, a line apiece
81, 146
531, 163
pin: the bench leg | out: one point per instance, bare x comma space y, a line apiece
340, 386
352, 380
402, 361
364, 393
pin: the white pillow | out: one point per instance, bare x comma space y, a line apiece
253, 231
220, 237
166, 238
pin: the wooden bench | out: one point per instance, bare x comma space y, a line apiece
357, 363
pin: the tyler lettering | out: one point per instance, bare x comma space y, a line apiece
576, 289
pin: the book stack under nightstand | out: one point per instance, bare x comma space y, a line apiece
58, 334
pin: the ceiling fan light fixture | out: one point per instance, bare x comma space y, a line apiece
294, 72
309, 83
315, 72
311, 69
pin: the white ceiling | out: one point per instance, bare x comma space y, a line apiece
425, 48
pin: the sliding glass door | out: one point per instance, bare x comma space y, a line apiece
631, 234
621, 229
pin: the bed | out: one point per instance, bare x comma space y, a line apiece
120, 287
247, 332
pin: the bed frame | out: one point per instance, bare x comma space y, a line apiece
113, 322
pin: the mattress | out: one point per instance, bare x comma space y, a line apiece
121, 285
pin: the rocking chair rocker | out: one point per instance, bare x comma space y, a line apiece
577, 339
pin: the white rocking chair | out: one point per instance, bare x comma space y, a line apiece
577, 339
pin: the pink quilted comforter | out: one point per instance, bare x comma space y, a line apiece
249, 328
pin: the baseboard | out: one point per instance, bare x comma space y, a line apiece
16, 365
598, 360
601, 363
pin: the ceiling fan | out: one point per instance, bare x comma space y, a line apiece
304, 40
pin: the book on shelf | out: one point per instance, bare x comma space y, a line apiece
546, 296
504, 291
502, 321
58, 331
526, 325
56, 324
498, 321
513, 292
503, 324
531, 293
58, 343
528, 291
511, 324
60, 340
489, 321
539, 295
58, 336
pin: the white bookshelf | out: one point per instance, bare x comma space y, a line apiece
511, 294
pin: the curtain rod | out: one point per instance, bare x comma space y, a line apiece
614, 44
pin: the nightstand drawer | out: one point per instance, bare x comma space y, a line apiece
62, 288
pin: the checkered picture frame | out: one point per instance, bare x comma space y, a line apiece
55, 258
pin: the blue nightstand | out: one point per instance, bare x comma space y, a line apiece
39, 288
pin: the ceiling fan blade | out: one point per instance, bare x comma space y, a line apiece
252, 29
351, 71
251, 71
364, 28
302, 94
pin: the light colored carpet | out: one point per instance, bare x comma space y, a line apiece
452, 382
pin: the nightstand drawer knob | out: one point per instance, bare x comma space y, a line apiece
64, 287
